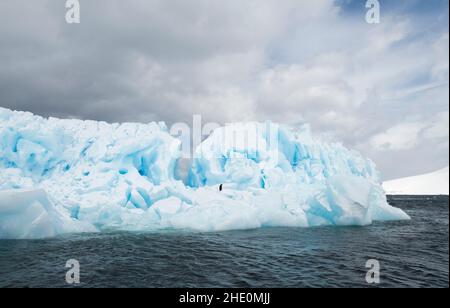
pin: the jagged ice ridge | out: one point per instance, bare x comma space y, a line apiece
69, 176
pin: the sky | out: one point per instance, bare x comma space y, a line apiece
382, 89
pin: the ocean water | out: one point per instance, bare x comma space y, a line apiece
411, 254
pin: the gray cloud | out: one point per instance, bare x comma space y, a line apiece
382, 89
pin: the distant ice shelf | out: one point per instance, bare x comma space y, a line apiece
435, 183
69, 176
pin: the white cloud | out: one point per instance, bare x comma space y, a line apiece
438, 128
407, 135
382, 88
403, 136
441, 54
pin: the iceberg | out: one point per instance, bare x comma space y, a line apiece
68, 176
30, 214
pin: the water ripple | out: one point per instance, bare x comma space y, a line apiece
412, 254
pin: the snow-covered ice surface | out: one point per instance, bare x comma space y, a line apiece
65, 176
30, 214
435, 183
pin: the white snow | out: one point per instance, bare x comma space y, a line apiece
435, 183
59, 176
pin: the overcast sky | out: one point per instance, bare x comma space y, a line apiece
380, 88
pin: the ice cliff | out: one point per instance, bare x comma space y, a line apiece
66, 176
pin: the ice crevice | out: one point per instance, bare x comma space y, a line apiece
67, 176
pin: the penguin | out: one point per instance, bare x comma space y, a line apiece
220, 187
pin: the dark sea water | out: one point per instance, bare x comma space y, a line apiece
411, 254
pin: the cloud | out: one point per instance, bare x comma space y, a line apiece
403, 136
441, 52
375, 87
438, 128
